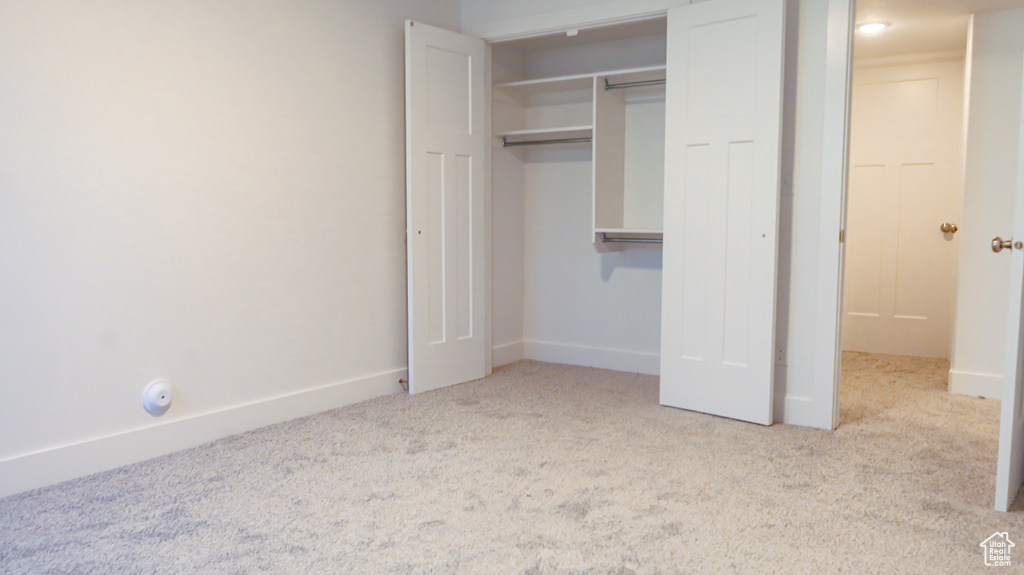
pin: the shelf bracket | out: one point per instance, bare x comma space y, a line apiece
608, 86
607, 240
507, 144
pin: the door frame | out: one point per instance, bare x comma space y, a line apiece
832, 213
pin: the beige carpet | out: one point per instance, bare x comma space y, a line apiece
546, 468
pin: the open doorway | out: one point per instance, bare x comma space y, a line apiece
912, 287
906, 153
933, 173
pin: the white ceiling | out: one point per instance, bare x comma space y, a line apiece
919, 25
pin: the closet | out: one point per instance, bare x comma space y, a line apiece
612, 189
601, 91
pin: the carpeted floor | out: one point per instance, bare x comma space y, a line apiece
547, 468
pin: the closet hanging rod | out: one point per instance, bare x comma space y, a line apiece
507, 144
606, 239
608, 86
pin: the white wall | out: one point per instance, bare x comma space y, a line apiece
583, 306
796, 389
996, 58
209, 192
507, 224
621, 54
805, 378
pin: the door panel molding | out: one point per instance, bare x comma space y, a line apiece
447, 219
722, 184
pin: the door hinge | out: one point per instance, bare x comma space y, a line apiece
842, 236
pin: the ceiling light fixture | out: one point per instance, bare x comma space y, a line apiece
873, 27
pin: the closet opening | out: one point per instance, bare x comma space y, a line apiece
577, 166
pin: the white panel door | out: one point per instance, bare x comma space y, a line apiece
723, 113
445, 211
905, 181
1010, 466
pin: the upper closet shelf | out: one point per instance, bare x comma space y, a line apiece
582, 81
634, 231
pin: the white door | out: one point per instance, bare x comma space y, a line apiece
905, 183
445, 206
1010, 467
723, 113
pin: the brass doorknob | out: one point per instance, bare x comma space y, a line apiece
948, 228
999, 244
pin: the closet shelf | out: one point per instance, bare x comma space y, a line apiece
631, 231
546, 85
546, 135
581, 81
628, 236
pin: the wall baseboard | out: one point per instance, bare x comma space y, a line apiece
62, 463
988, 385
789, 409
507, 353
605, 358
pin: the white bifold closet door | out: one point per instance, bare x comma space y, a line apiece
723, 114
445, 206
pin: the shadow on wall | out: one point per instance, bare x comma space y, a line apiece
554, 153
640, 256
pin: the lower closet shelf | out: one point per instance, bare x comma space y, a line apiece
565, 135
628, 236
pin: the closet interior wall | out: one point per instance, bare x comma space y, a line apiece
560, 294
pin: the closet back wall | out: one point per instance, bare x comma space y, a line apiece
581, 305
210, 192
